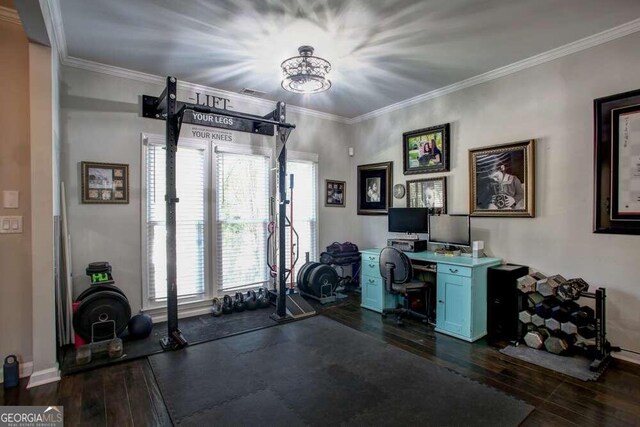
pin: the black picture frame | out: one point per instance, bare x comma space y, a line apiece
418, 157
375, 183
502, 180
606, 218
335, 193
418, 194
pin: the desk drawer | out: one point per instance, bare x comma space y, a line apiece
370, 268
456, 270
372, 257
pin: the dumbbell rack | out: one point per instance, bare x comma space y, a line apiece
603, 347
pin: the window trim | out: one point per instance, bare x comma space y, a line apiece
212, 288
307, 157
154, 139
232, 148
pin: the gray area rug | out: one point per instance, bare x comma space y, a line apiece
575, 366
319, 372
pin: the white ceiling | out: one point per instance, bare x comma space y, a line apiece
382, 52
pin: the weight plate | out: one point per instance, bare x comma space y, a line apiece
323, 278
101, 307
303, 276
98, 288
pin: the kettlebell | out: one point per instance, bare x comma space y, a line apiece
250, 302
263, 298
227, 305
238, 303
216, 307
11, 369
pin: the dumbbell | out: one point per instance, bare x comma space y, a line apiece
533, 299
537, 338
569, 328
552, 324
547, 287
562, 312
572, 289
525, 316
545, 308
587, 331
556, 345
583, 316
526, 284
537, 320
227, 305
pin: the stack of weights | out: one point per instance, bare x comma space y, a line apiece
101, 314
553, 320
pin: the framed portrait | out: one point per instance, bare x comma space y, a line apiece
502, 180
617, 164
426, 150
428, 193
105, 183
375, 188
334, 193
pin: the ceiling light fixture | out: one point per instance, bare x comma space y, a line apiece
305, 73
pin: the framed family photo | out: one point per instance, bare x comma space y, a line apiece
105, 183
426, 150
374, 188
617, 164
502, 180
335, 193
428, 193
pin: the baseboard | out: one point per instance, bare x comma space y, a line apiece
183, 313
627, 357
26, 369
44, 376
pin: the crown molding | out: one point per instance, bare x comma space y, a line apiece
111, 70
9, 15
568, 49
57, 26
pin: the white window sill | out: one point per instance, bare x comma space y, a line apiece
185, 309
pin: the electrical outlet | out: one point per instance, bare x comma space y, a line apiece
11, 224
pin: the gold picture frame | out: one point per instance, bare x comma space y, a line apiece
104, 183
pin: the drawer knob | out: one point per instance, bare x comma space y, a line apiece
371, 281
453, 270
372, 258
440, 301
372, 265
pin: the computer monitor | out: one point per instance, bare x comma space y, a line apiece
408, 220
450, 230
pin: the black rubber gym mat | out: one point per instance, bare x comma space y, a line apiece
196, 330
319, 372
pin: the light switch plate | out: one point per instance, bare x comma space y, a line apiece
11, 224
10, 199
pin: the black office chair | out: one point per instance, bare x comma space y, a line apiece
397, 272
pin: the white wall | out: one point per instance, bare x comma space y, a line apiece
101, 122
552, 103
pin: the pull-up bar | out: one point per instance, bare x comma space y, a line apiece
167, 107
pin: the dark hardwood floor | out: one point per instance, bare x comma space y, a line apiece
127, 394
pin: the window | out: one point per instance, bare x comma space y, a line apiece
190, 220
242, 218
222, 217
305, 190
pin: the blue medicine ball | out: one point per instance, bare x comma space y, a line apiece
140, 326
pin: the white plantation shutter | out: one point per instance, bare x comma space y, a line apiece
305, 208
242, 182
190, 221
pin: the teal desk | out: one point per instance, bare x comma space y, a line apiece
461, 288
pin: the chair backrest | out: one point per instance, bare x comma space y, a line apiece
402, 270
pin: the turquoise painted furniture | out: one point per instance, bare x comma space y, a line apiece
461, 283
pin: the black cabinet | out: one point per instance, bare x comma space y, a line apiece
504, 302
